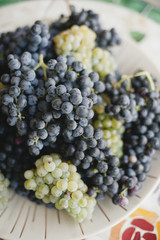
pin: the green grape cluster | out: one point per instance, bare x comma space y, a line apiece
4, 193
58, 182
112, 131
102, 62
80, 42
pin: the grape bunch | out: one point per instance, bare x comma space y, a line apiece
57, 182
112, 132
4, 194
43, 104
104, 38
80, 42
61, 92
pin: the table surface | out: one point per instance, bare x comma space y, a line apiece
144, 29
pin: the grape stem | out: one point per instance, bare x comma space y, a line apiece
42, 65
129, 77
122, 194
36, 140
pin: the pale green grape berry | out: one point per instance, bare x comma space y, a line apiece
72, 186
41, 171
63, 203
28, 174
77, 195
57, 162
84, 189
62, 184
82, 202
56, 192
6, 182
39, 195
58, 206
76, 210
39, 162
72, 203
46, 199
65, 174
53, 199
1, 177
48, 179
80, 184
55, 156
91, 202
47, 158
57, 173
74, 176
1, 186
30, 184
49, 166
44, 189
63, 166
72, 168
72, 214
39, 180
67, 196
82, 214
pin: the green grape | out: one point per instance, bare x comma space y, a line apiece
65, 175
103, 62
72, 203
72, 186
58, 183
41, 171
49, 166
28, 174
58, 206
46, 199
63, 166
78, 41
39, 180
30, 184
63, 203
82, 214
39, 195
76, 210
47, 158
62, 184
53, 199
57, 173
72, 168
48, 179
82, 202
112, 132
44, 189
39, 162
80, 184
107, 123
1, 177
4, 193
74, 176
84, 189
56, 192
77, 195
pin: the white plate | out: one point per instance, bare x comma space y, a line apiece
22, 219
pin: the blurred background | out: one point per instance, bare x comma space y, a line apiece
149, 8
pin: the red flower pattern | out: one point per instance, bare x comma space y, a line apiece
133, 232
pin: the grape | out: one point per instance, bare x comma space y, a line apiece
104, 38
80, 42
4, 193
69, 193
113, 131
